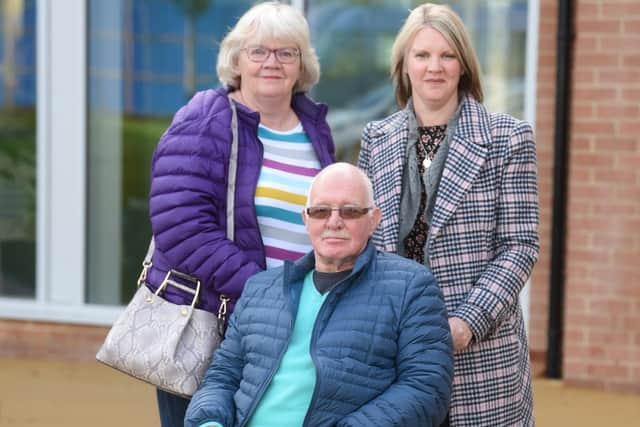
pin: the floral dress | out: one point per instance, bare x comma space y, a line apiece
429, 139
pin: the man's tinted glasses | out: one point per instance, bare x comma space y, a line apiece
345, 212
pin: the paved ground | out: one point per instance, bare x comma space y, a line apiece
57, 394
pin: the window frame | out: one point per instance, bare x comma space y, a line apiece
61, 32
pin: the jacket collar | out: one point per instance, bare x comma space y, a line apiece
465, 159
469, 111
476, 127
300, 102
303, 105
296, 270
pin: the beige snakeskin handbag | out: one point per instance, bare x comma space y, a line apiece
165, 344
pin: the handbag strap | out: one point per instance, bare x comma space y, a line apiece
231, 190
233, 167
146, 263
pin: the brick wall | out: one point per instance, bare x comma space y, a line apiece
602, 319
42, 340
602, 297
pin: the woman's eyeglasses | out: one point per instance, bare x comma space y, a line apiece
285, 55
345, 212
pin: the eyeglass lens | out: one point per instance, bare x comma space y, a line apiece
285, 55
345, 212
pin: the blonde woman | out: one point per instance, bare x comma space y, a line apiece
458, 193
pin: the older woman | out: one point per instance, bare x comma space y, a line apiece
458, 193
266, 64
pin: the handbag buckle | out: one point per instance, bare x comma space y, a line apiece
168, 280
146, 265
222, 313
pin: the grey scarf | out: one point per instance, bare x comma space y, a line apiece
410, 198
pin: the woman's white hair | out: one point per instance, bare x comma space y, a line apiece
270, 20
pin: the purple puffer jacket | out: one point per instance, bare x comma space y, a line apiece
187, 201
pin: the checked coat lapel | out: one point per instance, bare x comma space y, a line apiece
467, 155
383, 155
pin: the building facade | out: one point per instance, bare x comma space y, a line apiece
89, 86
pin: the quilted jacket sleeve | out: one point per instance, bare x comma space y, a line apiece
420, 395
213, 402
188, 197
497, 290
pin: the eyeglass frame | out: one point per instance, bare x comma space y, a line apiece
298, 53
360, 212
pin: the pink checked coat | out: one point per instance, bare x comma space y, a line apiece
482, 244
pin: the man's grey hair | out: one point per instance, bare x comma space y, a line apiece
343, 166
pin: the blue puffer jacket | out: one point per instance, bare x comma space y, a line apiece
381, 347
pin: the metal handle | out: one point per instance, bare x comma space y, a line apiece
168, 281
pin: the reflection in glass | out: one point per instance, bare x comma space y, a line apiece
353, 40
17, 148
146, 59
498, 29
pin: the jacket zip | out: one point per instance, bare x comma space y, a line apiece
312, 351
266, 383
329, 300
255, 186
317, 142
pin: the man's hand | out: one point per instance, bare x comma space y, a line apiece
461, 333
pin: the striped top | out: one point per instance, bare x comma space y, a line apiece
289, 164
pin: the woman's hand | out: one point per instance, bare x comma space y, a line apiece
461, 333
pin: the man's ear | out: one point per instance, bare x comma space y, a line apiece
376, 216
304, 216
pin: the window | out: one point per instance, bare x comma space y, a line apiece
354, 38
17, 148
146, 59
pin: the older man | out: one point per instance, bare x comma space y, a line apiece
345, 336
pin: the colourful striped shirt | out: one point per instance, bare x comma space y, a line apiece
288, 166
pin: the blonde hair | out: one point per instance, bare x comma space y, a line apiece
269, 21
443, 19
